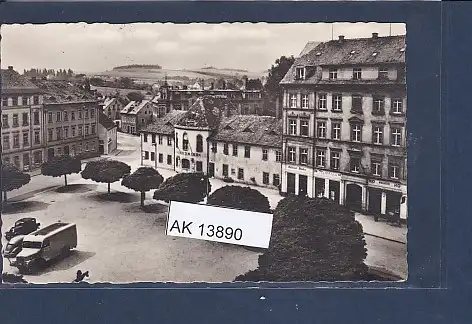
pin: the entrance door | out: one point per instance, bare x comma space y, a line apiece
66, 150
375, 201
302, 185
290, 183
225, 170
211, 169
354, 196
101, 148
334, 190
393, 201
50, 153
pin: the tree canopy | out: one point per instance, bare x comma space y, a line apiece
186, 187
135, 96
313, 239
105, 171
276, 74
244, 198
12, 178
58, 166
142, 180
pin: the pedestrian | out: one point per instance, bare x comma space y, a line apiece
81, 275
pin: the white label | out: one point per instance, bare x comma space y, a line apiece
219, 224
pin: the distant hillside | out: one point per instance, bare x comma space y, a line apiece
138, 66
224, 69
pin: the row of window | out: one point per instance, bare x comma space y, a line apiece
63, 132
265, 175
378, 108
64, 115
66, 151
186, 144
355, 133
247, 151
20, 101
159, 137
355, 166
334, 72
37, 160
16, 120
152, 156
16, 140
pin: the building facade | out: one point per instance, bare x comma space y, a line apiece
22, 121
344, 132
107, 135
136, 115
112, 108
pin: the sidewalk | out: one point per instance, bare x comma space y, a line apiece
382, 229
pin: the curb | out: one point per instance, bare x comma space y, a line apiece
385, 238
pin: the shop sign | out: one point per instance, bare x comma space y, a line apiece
329, 173
385, 183
292, 167
190, 154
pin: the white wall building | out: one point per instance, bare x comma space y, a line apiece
107, 135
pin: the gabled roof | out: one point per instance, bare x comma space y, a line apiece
108, 102
165, 125
207, 112
58, 92
308, 47
250, 129
105, 121
133, 107
13, 82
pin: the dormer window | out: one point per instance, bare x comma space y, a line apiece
383, 73
375, 54
357, 73
333, 73
300, 73
318, 53
353, 52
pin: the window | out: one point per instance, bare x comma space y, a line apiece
278, 156
37, 157
161, 158
377, 137
292, 126
235, 150
320, 158
333, 73
305, 101
304, 127
169, 141
87, 130
356, 132
66, 116
379, 104
397, 106
225, 149
355, 164
14, 101
36, 118
394, 170
265, 178
225, 170
337, 102
6, 142
80, 114
185, 142
247, 151
4, 102
383, 73
322, 101
241, 174
146, 155
292, 151
176, 140
159, 139
276, 180
303, 156
264, 155
357, 103
72, 115
80, 130
199, 164
86, 113
300, 71
92, 113
376, 167
321, 129
58, 133
153, 156
16, 161
50, 135
66, 132
37, 138
94, 129
357, 73
335, 156
58, 116
145, 136
16, 141
5, 121
25, 119
49, 117
336, 130
15, 120
396, 136
199, 143
73, 131
293, 101
214, 147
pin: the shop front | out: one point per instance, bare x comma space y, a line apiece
386, 197
328, 185
297, 180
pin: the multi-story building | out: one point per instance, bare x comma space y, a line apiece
70, 117
112, 107
136, 115
247, 149
107, 134
344, 132
22, 121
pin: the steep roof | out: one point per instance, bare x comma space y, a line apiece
108, 102
106, 122
13, 82
63, 92
308, 47
357, 51
165, 125
250, 129
133, 107
207, 112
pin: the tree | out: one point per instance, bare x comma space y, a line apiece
313, 239
239, 197
12, 178
105, 171
59, 166
254, 84
276, 74
142, 180
185, 187
135, 96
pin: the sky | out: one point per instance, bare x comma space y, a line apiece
100, 47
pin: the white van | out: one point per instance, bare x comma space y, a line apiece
46, 244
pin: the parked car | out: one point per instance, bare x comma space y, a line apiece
22, 226
13, 247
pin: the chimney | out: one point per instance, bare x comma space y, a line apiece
10, 67
375, 35
341, 38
